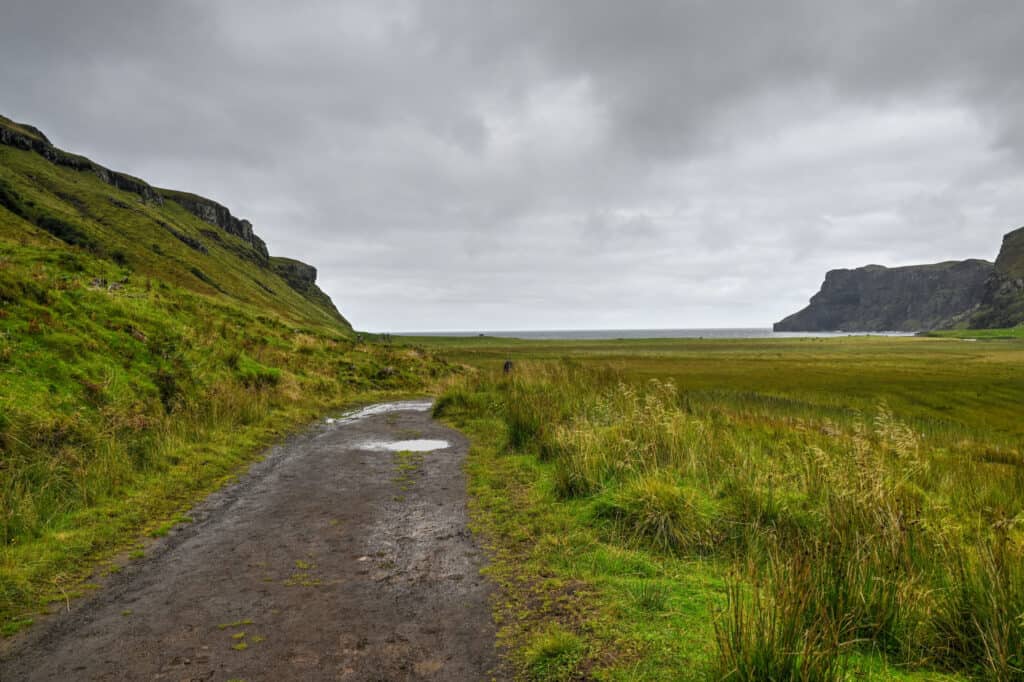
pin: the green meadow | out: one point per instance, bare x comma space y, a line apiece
805, 509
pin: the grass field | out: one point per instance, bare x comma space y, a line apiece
791, 510
981, 334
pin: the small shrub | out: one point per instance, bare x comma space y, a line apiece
657, 511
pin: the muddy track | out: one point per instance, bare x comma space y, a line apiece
329, 560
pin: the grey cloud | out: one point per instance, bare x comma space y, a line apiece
470, 164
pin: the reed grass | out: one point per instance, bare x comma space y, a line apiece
850, 532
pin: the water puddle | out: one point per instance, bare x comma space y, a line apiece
381, 408
417, 445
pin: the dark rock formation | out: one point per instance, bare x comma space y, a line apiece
1002, 303
30, 138
912, 298
219, 215
302, 278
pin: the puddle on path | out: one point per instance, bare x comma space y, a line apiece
417, 445
381, 408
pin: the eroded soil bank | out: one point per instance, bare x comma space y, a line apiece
326, 561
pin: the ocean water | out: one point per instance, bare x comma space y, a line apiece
596, 334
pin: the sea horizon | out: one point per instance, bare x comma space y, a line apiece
613, 334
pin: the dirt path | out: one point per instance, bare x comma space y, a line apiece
328, 561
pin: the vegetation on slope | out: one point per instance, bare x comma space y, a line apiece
145, 355
1003, 303
139, 230
743, 516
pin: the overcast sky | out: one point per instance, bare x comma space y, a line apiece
532, 164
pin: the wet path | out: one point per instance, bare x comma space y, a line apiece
333, 559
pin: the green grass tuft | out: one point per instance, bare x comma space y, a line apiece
553, 655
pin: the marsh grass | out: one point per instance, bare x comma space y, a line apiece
850, 532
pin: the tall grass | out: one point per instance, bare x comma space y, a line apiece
848, 531
118, 406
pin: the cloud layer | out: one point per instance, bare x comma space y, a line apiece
514, 165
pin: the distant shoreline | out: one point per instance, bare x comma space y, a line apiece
612, 334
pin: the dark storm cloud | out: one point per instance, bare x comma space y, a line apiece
469, 164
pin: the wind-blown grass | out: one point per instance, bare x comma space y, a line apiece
850, 532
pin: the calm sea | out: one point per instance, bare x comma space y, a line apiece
738, 333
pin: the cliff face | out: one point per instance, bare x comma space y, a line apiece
218, 215
1002, 302
29, 138
912, 298
302, 278
32, 139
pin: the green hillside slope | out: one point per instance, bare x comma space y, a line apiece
149, 346
156, 233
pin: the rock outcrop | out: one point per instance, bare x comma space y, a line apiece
911, 298
213, 263
1002, 303
302, 278
30, 138
219, 215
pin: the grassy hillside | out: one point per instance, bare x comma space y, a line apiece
46, 203
793, 510
145, 355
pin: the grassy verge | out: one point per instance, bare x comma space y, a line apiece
645, 531
572, 603
982, 334
121, 405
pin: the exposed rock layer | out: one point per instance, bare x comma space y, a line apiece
299, 276
912, 298
31, 139
219, 215
302, 278
971, 293
1002, 303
